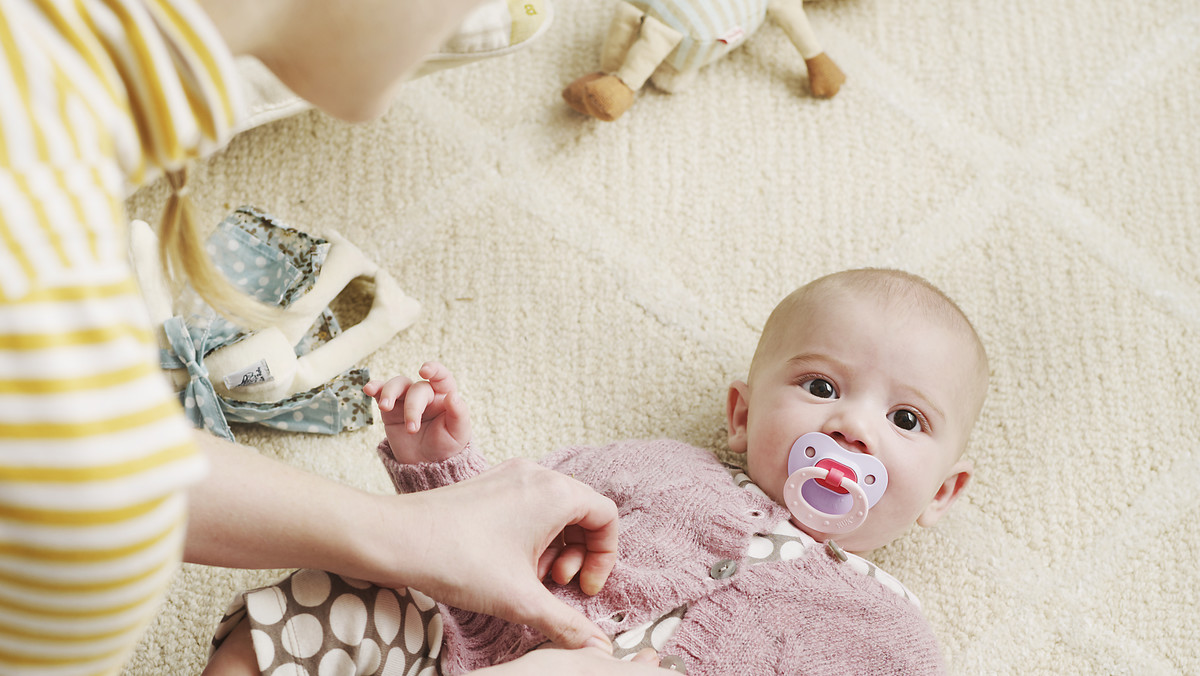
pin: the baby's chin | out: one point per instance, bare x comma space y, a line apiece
860, 541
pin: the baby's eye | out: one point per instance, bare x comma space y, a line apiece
820, 388
905, 419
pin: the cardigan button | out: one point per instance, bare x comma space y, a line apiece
836, 550
672, 663
723, 569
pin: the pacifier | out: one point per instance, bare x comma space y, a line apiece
830, 489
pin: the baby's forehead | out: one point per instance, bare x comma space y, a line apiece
918, 302
961, 354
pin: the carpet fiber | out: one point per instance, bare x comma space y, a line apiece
591, 281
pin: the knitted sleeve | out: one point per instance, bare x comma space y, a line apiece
426, 475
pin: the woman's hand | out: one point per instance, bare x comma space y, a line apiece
585, 662
485, 544
426, 420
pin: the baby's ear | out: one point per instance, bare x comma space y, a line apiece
951, 488
737, 412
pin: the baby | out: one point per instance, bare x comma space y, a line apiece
863, 388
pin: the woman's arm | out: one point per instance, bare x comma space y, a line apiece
476, 545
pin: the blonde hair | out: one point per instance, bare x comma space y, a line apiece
894, 286
184, 261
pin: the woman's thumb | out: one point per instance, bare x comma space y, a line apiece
563, 625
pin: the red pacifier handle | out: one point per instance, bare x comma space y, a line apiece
814, 518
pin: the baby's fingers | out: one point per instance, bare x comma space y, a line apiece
458, 418
439, 377
386, 394
418, 398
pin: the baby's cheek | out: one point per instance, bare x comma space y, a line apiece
770, 479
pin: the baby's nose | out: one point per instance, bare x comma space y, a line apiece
849, 439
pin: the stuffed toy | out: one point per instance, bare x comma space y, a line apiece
298, 374
667, 41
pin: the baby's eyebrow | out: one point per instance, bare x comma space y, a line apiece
808, 358
924, 401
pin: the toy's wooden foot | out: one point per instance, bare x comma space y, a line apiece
573, 94
607, 98
824, 76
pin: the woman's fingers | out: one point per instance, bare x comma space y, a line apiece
598, 532
546, 561
563, 625
646, 656
568, 562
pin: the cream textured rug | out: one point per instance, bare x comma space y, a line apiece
590, 281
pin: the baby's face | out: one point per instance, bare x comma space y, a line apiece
891, 383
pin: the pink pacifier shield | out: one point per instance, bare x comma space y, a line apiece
829, 488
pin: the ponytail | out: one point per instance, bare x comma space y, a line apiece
184, 261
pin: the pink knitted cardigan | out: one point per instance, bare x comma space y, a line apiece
680, 513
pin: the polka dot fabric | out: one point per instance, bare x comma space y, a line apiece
318, 624
653, 634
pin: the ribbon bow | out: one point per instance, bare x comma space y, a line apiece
199, 399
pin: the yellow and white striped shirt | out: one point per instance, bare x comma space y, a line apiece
95, 454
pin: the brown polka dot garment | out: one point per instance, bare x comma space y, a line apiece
351, 627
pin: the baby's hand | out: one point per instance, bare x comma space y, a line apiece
425, 421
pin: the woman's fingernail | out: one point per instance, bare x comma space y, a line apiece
603, 644
646, 656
